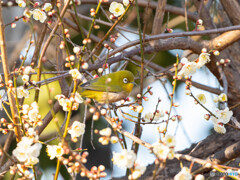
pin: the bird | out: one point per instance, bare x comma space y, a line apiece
109, 88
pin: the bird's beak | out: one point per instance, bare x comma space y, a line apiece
134, 83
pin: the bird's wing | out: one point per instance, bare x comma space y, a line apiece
96, 86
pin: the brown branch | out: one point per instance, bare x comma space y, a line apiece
217, 43
224, 40
44, 49
158, 19
47, 119
7, 144
97, 21
152, 5
39, 42
227, 154
6, 77
232, 9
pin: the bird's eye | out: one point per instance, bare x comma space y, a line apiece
125, 80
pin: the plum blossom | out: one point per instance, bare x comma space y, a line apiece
77, 129
116, 9
125, 159
39, 15
183, 174
27, 151
54, 151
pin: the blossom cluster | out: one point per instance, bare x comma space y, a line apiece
27, 151
127, 159
221, 117
165, 150
21, 91
149, 117
31, 115
190, 67
75, 74
39, 14
106, 136
69, 103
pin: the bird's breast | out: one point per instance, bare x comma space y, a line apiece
110, 97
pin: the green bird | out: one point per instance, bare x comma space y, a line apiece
109, 88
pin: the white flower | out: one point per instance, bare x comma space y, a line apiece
61, 99
203, 59
114, 139
116, 9
171, 153
140, 168
66, 104
215, 99
149, 117
47, 7
75, 74
27, 152
184, 174
21, 154
139, 109
54, 151
201, 98
219, 128
32, 133
77, 129
21, 3
27, 13
25, 109
162, 127
184, 61
33, 114
104, 140
223, 116
35, 149
159, 114
27, 70
160, 150
188, 68
222, 97
125, 159
25, 142
199, 177
32, 160
39, 15
25, 78
138, 171
169, 140
76, 49
21, 92
34, 105
125, 2
106, 132
78, 98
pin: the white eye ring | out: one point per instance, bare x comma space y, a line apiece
125, 80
